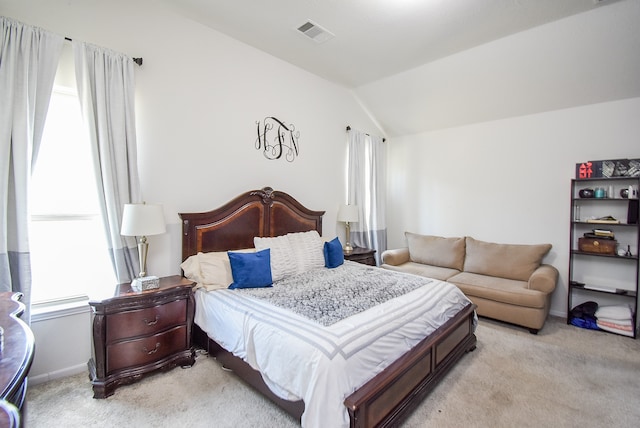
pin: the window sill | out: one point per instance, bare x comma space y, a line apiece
59, 308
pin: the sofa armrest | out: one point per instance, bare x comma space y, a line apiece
396, 256
544, 279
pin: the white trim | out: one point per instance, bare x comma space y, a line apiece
59, 308
63, 217
58, 374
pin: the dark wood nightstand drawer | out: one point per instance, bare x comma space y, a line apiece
146, 321
139, 352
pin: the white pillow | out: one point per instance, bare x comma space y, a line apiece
619, 312
308, 249
283, 262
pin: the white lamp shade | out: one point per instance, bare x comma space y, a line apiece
142, 220
348, 213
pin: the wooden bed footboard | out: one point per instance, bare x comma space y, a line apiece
390, 396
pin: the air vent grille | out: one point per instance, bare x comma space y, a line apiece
315, 32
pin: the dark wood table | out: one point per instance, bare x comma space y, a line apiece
17, 350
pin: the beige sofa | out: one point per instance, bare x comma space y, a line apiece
508, 282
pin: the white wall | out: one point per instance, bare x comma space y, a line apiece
505, 181
63, 343
199, 94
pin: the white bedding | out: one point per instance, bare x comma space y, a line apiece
301, 359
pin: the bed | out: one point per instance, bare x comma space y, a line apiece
392, 388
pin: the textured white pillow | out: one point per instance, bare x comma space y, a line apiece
308, 250
283, 262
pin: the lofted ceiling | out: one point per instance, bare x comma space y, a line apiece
377, 43
373, 38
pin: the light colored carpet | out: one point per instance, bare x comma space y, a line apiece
563, 377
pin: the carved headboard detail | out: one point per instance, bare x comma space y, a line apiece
265, 212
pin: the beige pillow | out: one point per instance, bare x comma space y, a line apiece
215, 269
509, 261
191, 268
436, 250
210, 270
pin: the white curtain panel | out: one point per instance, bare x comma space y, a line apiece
106, 90
366, 189
28, 62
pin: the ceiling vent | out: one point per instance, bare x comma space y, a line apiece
315, 32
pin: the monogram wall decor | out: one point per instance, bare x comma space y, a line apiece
277, 139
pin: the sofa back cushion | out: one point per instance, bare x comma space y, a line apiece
509, 261
436, 250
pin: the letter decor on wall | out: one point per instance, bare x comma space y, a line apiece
283, 141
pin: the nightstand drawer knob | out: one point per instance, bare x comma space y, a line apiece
154, 322
153, 351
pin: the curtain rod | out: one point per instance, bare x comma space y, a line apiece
136, 60
383, 139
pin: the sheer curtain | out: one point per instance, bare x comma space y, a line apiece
28, 63
106, 90
366, 189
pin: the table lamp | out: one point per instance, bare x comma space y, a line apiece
348, 214
142, 220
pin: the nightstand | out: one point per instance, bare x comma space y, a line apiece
362, 255
139, 332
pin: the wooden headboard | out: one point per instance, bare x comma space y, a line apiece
233, 226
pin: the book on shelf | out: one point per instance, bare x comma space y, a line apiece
594, 236
603, 220
602, 232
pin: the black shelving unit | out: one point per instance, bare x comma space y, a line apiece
599, 277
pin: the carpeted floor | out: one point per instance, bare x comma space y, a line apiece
563, 377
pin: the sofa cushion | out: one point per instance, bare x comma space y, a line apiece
435, 272
509, 261
508, 291
436, 250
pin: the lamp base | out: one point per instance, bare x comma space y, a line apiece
347, 247
145, 283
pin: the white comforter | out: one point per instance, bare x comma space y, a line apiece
301, 359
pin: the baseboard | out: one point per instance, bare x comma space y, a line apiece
58, 374
560, 314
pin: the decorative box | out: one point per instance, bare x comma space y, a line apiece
145, 283
600, 246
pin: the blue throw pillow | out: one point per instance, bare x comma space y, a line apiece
250, 270
333, 255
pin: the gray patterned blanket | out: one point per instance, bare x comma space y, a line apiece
327, 296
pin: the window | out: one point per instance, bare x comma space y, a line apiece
69, 253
